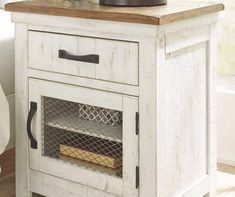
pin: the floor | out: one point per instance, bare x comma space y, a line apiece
225, 178
226, 181
7, 186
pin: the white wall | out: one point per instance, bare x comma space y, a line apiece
226, 119
226, 45
226, 85
7, 64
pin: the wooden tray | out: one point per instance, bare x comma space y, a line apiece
88, 156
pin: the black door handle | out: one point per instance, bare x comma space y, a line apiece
32, 111
92, 58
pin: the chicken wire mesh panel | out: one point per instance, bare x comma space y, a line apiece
84, 135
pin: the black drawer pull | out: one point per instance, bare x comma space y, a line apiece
32, 111
92, 58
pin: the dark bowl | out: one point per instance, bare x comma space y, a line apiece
135, 3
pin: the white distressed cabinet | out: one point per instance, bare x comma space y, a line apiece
115, 107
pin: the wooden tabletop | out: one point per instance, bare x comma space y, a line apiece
175, 10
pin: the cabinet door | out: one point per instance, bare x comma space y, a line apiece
84, 135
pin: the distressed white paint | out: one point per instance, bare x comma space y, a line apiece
85, 27
182, 107
211, 105
147, 117
21, 110
85, 82
118, 60
183, 39
53, 186
101, 181
176, 152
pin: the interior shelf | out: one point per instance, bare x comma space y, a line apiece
87, 127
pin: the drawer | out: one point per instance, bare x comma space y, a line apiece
98, 58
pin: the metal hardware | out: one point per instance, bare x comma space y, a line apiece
137, 183
137, 123
32, 111
92, 58
136, 3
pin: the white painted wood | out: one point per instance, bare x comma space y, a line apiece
21, 111
102, 33
211, 95
118, 60
95, 179
75, 94
160, 137
81, 175
92, 27
47, 185
182, 126
85, 82
147, 99
198, 189
172, 75
38, 88
186, 38
97, 193
130, 146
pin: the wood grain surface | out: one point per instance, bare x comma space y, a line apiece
155, 15
88, 156
225, 177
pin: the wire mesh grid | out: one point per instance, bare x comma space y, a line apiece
84, 135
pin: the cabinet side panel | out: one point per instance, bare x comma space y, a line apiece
182, 107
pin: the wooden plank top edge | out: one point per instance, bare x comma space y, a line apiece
188, 14
156, 15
